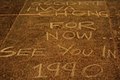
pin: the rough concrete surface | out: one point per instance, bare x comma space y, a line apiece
59, 40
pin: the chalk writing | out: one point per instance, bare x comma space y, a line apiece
108, 53
63, 50
75, 51
74, 25
69, 35
71, 68
92, 75
65, 9
49, 2
9, 52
